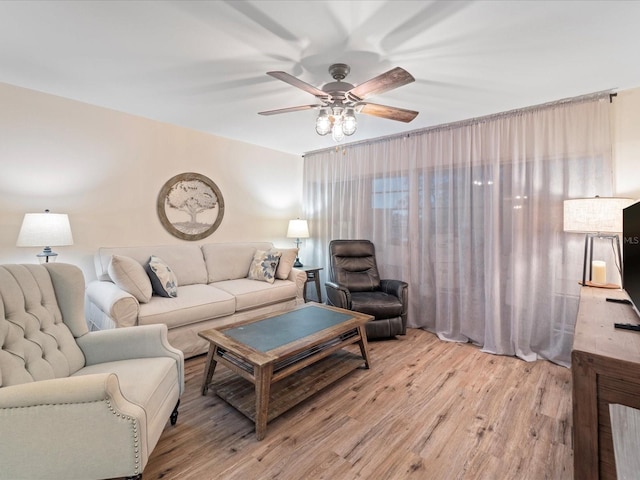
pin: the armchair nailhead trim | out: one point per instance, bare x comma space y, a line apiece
134, 428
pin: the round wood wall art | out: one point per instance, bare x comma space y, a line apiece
190, 206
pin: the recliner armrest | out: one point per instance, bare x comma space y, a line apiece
338, 296
397, 288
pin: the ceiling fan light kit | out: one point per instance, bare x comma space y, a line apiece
337, 120
341, 100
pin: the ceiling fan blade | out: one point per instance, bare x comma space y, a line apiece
296, 82
383, 111
290, 109
394, 78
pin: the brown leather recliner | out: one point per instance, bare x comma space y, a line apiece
355, 284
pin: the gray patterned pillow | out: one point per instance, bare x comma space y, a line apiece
163, 280
263, 266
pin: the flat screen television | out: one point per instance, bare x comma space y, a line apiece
631, 253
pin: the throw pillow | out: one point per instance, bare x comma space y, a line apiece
263, 266
162, 278
130, 276
287, 259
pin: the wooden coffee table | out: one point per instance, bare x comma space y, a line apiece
279, 360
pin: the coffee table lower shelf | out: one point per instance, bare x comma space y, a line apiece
289, 391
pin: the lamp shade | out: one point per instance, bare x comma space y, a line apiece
595, 215
45, 230
298, 229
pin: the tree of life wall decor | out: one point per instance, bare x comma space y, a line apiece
190, 206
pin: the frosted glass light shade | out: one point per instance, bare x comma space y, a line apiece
298, 229
336, 132
595, 215
349, 123
323, 123
45, 230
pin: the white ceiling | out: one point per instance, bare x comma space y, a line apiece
202, 64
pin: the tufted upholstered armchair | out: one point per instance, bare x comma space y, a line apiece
355, 284
76, 404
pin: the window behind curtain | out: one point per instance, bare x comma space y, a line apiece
470, 216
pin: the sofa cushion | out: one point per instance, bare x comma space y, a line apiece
163, 280
264, 265
193, 304
186, 260
287, 259
252, 294
229, 261
379, 304
130, 276
146, 382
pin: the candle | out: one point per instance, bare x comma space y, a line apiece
599, 272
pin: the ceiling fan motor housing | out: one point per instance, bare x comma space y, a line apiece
338, 89
339, 71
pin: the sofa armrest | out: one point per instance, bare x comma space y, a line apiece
144, 341
75, 408
118, 305
338, 296
299, 277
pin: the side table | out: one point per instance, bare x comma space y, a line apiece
313, 275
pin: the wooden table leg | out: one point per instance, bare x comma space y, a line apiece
210, 367
263, 376
364, 346
317, 278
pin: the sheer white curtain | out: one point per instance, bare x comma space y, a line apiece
470, 215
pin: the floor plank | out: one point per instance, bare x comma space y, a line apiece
426, 409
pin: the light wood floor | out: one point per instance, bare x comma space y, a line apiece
427, 409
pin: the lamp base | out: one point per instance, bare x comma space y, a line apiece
588, 258
47, 254
297, 263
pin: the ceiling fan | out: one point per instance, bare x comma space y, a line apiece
339, 100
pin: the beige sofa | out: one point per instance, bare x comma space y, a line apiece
76, 404
213, 290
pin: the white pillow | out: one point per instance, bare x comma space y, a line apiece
263, 266
130, 276
163, 280
287, 259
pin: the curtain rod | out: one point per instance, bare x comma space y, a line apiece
581, 98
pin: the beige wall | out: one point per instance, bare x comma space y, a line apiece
626, 143
105, 169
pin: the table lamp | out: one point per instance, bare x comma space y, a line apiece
45, 230
597, 217
298, 229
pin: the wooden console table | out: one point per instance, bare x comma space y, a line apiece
605, 365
